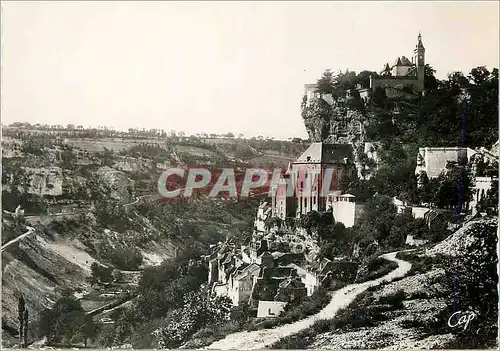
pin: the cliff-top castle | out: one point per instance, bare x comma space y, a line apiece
402, 78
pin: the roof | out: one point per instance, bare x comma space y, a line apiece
300, 270
397, 62
419, 44
326, 153
405, 61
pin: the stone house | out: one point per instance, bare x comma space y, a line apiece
317, 172
431, 162
291, 289
404, 77
307, 278
403, 74
241, 283
263, 212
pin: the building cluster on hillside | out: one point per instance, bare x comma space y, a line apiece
279, 264
265, 280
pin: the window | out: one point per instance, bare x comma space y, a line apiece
308, 158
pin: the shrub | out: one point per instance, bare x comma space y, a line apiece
322, 326
375, 268
394, 299
204, 333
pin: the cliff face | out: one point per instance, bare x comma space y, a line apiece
335, 122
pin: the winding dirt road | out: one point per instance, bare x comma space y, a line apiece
261, 339
30, 230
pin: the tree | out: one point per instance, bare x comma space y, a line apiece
107, 157
89, 329
379, 98
455, 187
363, 78
324, 85
101, 274
21, 307
68, 159
472, 278
489, 203
379, 215
63, 320
200, 310
430, 82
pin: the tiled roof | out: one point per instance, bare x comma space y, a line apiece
326, 153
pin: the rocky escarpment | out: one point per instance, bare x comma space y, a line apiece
336, 122
330, 121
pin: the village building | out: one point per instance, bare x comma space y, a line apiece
313, 181
433, 160
268, 309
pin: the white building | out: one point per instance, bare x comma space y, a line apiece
433, 160
263, 213
481, 188
270, 308
343, 207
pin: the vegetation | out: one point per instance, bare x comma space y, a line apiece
363, 312
374, 268
66, 322
241, 320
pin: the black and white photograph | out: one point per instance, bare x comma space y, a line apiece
249, 175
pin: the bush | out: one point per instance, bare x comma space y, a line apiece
126, 258
374, 268
322, 326
394, 299
204, 333
101, 274
420, 264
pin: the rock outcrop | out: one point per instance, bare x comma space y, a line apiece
335, 122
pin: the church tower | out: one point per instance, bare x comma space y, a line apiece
419, 60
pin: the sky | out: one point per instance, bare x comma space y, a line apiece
216, 67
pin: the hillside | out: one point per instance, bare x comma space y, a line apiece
413, 311
106, 214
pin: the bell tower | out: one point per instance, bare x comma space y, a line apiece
419, 60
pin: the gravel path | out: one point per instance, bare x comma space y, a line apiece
261, 339
30, 230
